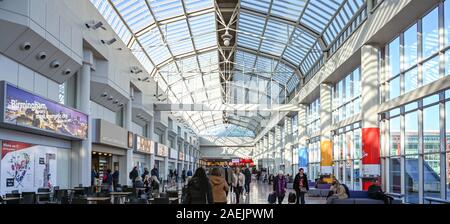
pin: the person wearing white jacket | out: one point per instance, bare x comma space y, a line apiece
238, 183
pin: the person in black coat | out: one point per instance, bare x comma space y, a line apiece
301, 186
133, 174
199, 190
248, 179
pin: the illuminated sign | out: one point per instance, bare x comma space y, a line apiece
144, 145
162, 150
25, 109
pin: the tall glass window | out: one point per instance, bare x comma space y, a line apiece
394, 175
430, 33
410, 47
411, 133
431, 70
431, 175
431, 129
347, 96
412, 179
394, 133
411, 80
394, 57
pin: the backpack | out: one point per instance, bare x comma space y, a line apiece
272, 198
375, 192
346, 190
292, 198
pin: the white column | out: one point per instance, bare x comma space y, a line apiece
82, 151
326, 145
370, 132
129, 159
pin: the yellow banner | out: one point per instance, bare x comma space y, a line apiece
326, 150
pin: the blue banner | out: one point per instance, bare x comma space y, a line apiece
303, 158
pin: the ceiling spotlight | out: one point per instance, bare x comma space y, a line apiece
105, 94
121, 105
67, 71
41, 55
136, 70
25, 46
227, 38
109, 42
110, 98
143, 80
95, 26
115, 102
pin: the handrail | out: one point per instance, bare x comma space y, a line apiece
430, 199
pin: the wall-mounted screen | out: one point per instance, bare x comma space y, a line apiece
28, 110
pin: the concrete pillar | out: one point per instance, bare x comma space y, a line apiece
326, 144
369, 103
288, 144
82, 151
129, 159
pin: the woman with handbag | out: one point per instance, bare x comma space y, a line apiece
301, 186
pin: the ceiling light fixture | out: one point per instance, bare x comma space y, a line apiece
95, 26
226, 37
109, 42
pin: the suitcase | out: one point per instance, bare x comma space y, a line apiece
272, 198
292, 198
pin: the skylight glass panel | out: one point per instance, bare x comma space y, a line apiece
203, 30
196, 5
298, 47
135, 13
265, 65
292, 83
288, 9
142, 57
250, 30
318, 13
244, 61
113, 19
177, 37
275, 37
208, 61
164, 9
282, 73
155, 46
259, 5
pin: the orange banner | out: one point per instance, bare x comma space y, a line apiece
326, 151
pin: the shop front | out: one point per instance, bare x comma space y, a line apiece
173, 156
36, 136
162, 154
143, 150
109, 149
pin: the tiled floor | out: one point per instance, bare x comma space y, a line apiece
259, 193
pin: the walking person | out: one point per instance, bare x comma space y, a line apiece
238, 183
301, 186
199, 189
108, 180
279, 186
155, 172
133, 174
219, 186
248, 180
183, 175
115, 178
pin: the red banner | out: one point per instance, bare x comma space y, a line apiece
11, 146
371, 146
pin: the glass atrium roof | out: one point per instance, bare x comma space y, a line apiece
277, 42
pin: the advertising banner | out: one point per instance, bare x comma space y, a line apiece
303, 158
371, 152
27, 167
326, 162
28, 110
